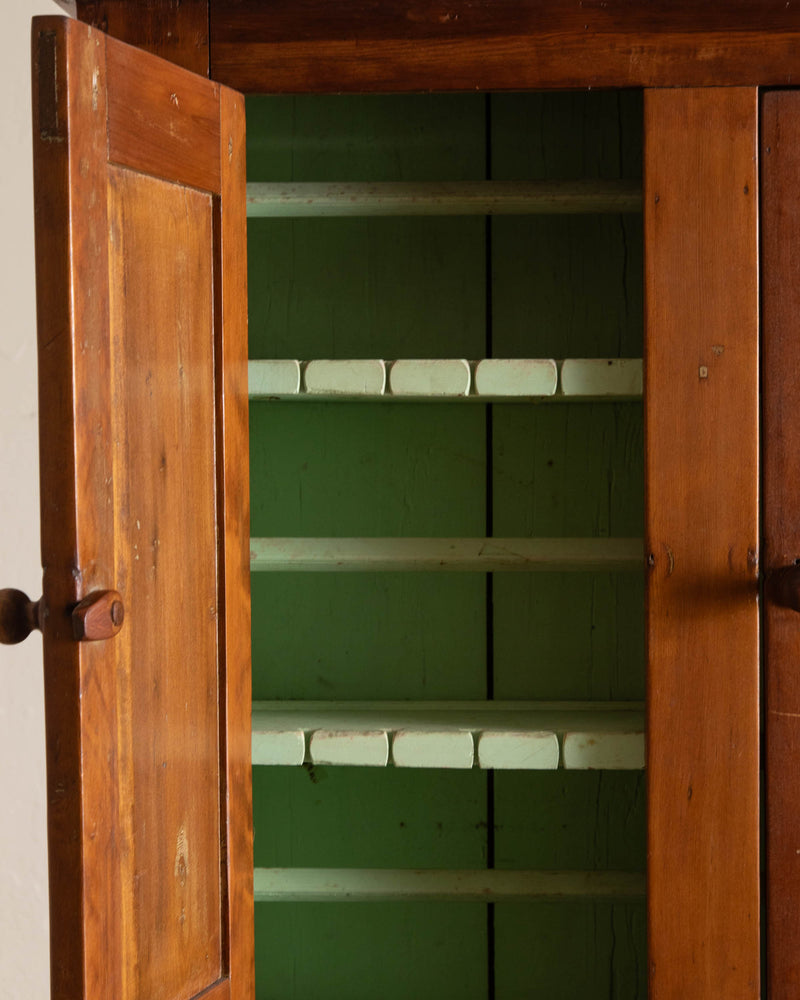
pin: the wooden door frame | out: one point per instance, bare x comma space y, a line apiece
311, 45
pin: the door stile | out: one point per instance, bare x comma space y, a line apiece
230, 269
702, 533
69, 168
780, 153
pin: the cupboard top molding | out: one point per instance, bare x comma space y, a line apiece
303, 46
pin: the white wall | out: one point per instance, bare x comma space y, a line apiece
24, 973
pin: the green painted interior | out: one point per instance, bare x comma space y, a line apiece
443, 287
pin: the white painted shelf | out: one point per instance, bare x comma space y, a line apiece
465, 555
320, 200
336, 885
448, 379
490, 735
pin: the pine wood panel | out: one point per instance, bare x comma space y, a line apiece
142, 399
701, 399
313, 45
161, 327
780, 157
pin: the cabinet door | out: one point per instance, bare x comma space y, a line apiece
140, 227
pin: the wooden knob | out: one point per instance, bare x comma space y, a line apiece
19, 616
783, 587
98, 616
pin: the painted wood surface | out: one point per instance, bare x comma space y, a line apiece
508, 735
701, 399
465, 555
345, 378
429, 377
310, 46
453, 379
354, 885
780, 131
429, 288
139, 842
442, 198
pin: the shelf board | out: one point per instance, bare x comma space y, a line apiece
448, 379
386, 198
465, 555
498, 735
319, 885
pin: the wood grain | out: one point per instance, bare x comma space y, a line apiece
162, 345
131, 332
80, 706
405, 45
701, 411
174, 31
160, 122
780, 159
233, 490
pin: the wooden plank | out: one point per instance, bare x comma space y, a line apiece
361, 747
701, 399
314, 46
780, 131
233, 499
486, 381
413, 747
429, 885
267, 379
430, 378
379, 198
465, 555
85, 953
345, 378
520, 750
174, 31
568, 288
507, 735
517, 377
603, 751
598, 378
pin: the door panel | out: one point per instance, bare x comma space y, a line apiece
143, 409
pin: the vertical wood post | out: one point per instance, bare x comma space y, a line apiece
780, 151
701, 412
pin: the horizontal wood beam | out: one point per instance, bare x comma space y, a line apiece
300, 200
297, 46
489, 735
449, 379
336, 885
177, 31
465, 555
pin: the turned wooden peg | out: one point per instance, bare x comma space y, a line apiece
19, 616
783, 587
98, 616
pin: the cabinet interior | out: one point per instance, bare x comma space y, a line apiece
461, 287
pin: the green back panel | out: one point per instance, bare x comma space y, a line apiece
526, 287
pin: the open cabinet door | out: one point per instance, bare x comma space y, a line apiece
140, 245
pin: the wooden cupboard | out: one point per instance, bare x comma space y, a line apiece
159, 168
